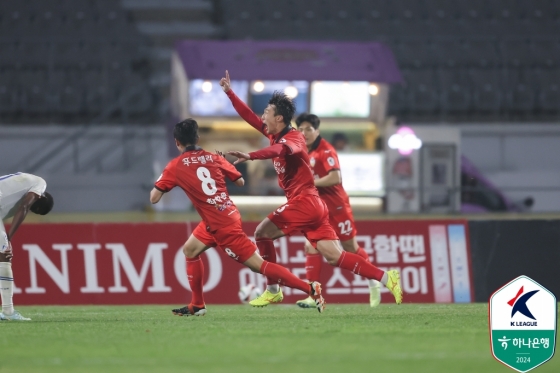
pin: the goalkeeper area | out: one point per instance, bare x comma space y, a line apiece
283, 338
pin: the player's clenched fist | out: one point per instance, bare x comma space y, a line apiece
225, 83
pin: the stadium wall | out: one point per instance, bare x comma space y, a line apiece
504, 249
143, 263
441, 261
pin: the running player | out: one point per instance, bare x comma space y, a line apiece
305, 211
328, 180
19, 194
201, 175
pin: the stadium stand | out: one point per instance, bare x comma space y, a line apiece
463, 60
68, 61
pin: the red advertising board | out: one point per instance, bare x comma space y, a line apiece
143, 264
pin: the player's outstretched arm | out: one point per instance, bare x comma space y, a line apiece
229, 171
242, 109
241, 157
155, 196
269, 152
21, 212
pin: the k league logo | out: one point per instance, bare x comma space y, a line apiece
523, 317
519, 304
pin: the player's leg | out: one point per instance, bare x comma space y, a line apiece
313, 263
352, 246
284, 277
7, 282
265, 234
335, 256
325, 238
195, 271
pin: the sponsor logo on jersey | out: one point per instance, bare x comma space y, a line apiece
278, 168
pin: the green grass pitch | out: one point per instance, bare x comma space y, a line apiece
279, 338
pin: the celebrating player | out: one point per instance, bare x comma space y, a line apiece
305, 211
201, 175
326, 172
19, 194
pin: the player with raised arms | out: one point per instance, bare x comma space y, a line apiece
201, 175
304, 211
19, 194
328, 180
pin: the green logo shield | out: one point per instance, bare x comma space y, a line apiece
523, 320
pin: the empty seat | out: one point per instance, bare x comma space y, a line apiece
548, 97
546, 53
417, 54
423, 90
487, 91
399, 100
477, 53
521, 91
455, 90
8, 93
34, 92
517, 53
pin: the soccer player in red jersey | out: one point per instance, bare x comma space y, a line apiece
328, 180
201, 175
305, 211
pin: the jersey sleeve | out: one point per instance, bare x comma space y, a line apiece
229, 170
39, 186
246, 113
329, 161
270, 152
294, 142
167, 179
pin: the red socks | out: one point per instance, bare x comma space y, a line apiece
361, 252
268, 253
313, 264
195, 274
359, 266
280, 275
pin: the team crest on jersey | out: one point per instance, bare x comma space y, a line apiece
312, 161
330, 160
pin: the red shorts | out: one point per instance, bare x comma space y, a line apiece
343, 224
231, 239
308, 214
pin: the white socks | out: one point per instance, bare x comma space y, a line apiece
273, 288
373, 283
6, 287
384, 279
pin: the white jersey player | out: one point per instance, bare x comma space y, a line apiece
19, 194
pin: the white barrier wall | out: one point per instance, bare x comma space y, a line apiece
101, 168
523, 160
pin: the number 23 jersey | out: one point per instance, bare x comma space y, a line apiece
201, 175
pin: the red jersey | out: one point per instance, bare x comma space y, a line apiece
323, 159
201, 175
294, 172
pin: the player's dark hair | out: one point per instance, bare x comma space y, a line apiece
43, 205
310, 118
186, 132
339, 136
285, 106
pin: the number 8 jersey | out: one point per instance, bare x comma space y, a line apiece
201, 175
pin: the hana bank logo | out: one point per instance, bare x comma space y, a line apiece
519, 305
